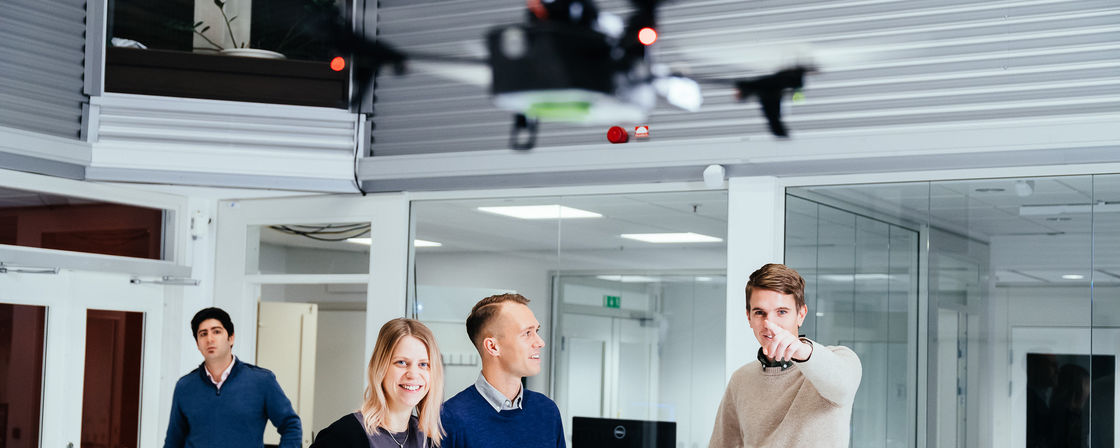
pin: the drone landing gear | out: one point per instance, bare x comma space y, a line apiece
521, 123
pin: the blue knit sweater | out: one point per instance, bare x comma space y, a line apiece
471, 422
204, 416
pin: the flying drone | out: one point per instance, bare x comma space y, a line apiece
569, 62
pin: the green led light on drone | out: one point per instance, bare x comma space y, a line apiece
798, 96
559, 110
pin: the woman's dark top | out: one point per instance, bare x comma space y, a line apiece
350, 432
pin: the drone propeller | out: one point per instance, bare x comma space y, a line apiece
769, 89
370, 54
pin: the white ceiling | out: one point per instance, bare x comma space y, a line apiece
460, 226
278, 238
587, 243
569, 244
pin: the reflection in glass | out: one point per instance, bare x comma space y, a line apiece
639, 327
637, 335
861, 277
34, 219
640, 347
111, 388
280, 26
1009, 273
1060, 389
1105, 276
21, 373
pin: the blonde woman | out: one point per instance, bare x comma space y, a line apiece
404, 373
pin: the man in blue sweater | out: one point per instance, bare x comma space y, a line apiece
224, 402
497, 412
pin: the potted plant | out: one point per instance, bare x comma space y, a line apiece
235, 47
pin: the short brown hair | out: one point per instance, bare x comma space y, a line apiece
778, 278
485, 311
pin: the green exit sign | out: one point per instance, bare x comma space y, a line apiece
611, 301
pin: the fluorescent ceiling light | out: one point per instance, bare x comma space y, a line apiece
703, 279
687, 237
628, 278
417, 243
854, 277
541, 212
1060, 209
1073, 276
425, 243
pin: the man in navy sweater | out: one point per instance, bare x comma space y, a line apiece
224, 402
497, 412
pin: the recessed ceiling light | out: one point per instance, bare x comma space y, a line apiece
417, 243
703, 279
1073, 276
854, 277
541, 212
686, 237
628, 278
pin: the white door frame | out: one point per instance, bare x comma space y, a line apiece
68, 295
389, 251
96, 281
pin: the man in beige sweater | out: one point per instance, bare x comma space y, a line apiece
798, 394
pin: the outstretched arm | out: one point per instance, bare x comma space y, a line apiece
835, 373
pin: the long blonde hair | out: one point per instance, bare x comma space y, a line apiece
375, 405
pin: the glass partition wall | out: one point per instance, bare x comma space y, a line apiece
624, 286
985, 312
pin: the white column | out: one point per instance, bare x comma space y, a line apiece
755, 233
388, 262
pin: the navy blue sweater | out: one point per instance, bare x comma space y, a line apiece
204, 416
471, 422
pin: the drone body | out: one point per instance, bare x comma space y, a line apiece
572, 63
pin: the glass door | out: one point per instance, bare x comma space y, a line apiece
22, 350
80, 337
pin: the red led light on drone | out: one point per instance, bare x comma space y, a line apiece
338, 63
641, 131
647, 36
616, 134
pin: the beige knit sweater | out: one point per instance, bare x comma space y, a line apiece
807, 405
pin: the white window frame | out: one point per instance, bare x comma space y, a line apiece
94, 281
